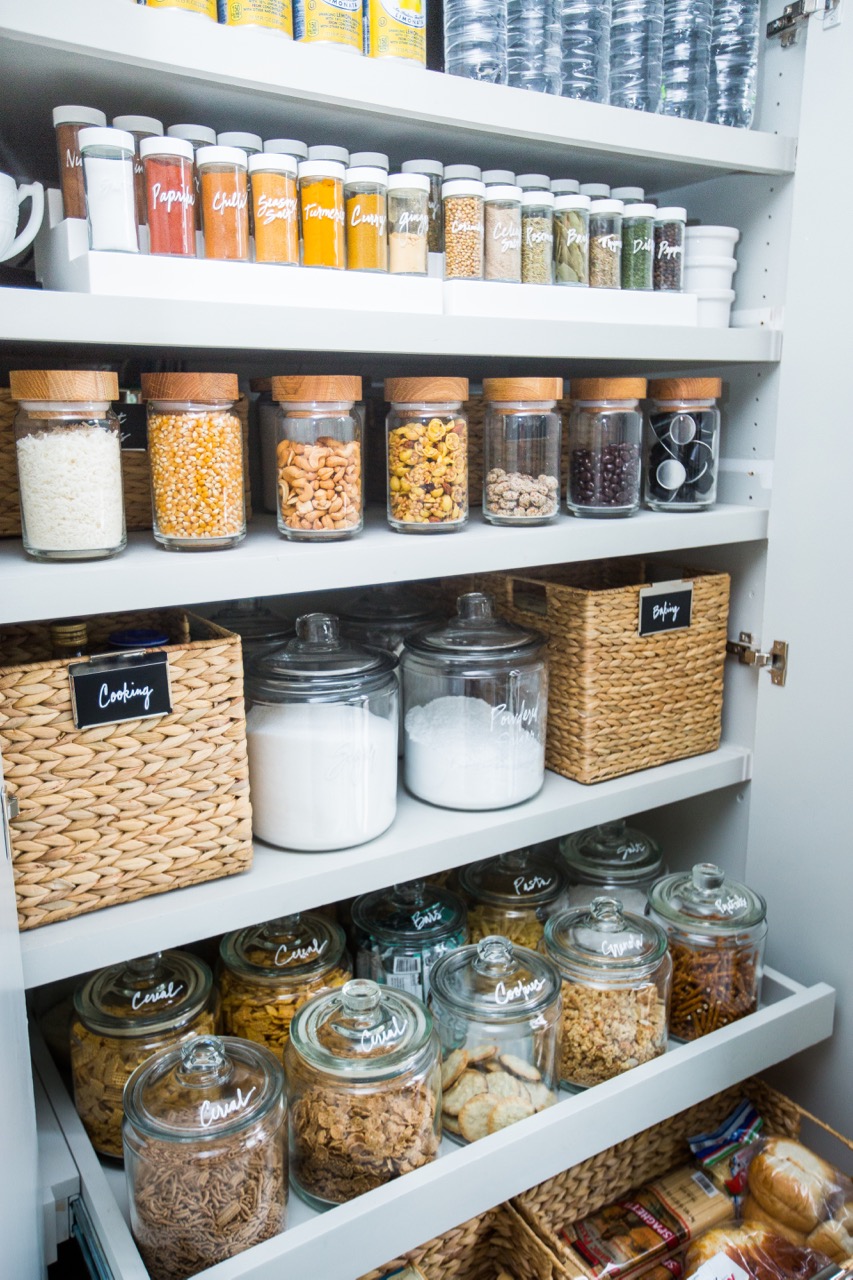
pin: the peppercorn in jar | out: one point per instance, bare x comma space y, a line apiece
605, 434
427, 454
669, 249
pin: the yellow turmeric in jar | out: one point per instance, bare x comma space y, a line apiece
366, 220
321, 197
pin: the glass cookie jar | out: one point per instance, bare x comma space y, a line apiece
205, 1148
270, 970
427, 454
401, 932
122, 1015
364, 1084
612, 859
497, 1009
512, 895
616, 989
682, 444
717, 930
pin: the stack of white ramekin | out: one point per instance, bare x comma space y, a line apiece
709, 265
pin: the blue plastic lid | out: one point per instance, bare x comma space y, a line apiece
138, 638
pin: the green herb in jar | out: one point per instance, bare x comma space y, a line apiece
638, 246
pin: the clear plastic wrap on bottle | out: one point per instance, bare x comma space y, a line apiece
636, 50
533, 45
475, 39
686, 58
585, 57
735, 35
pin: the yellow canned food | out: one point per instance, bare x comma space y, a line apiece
397, 29
275, 15
206, 8
329, 22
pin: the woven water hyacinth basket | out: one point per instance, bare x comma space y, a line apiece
114, 813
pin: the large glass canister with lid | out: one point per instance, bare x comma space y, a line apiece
270, 970
205, 1153
717, 929
521, 450
122, 1015
612, 859
427, 454
497, 1010
512, 895
68, 451
401, 932
364, 1085
256, 625
475, 706
682, 444
322, 739
605, 436
319, 458
266, 417
617, 977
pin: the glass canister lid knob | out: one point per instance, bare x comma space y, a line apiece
705, 896
604, 940
476, 606
607, 913
360, 999
707, 878
362, 1031
203, 1062
319, 630
494, 955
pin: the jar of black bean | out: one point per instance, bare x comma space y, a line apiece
605, 431
669, 249
537, 237
638, 246
605, 244
682, 444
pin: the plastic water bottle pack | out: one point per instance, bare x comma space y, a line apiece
475, 39
735, 34
686, 58
585, 59
636, 32
533, 45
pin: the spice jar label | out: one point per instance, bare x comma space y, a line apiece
667, 606
128, 686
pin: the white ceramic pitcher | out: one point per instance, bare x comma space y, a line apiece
11, 197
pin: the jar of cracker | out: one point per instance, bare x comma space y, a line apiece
616, 976
512, 895
364, 1085
122, 1015
497, 1010
401, 932
268, 971
205, 1149
427, 454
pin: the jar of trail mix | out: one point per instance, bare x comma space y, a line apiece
122, 1015
205, 1150
512, 895
427, 454
717, 930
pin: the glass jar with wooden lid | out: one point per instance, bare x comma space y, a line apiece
427, 454
682, 444
605, 434
521, 470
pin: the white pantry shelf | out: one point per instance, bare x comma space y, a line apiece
265, 564
422, 840
464, 1181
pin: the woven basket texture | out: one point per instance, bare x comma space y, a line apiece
10, 512
115, 813
618, 701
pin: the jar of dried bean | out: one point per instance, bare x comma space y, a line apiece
434, 171
682, 444
617, 977
605, 432
571, 239
365, 196
463, 228
669, 249
364, 1085
612, 859
537, 237
502, 225
638, 246
521, 450
195, 446
319, 456
497, 1010
274, 208
401, 932
605, 244
427, 454
513, 895
122, 1015
323, 216
717, 929
223, 175
268, 971
205, 1150
408, 224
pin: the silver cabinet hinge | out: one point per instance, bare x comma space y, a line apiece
794, 15
749, 653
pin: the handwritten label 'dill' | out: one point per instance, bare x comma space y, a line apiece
125, 687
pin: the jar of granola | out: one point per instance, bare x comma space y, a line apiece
205, 1148
497, 1012
364, 1085
268, 971
427, 454
617, 976
513, 895
319, 458
122, 1015
401, 932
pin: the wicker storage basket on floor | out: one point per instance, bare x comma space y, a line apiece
115, 813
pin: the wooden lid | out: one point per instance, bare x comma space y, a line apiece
685, 388
200, 387
260, 385
522, 388
426, 390
608, 388
320, 390
72, 385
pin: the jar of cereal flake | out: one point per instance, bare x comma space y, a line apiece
427, 454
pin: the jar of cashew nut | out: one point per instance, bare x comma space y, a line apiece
427, 454
318, 458
512, 895
497, 1011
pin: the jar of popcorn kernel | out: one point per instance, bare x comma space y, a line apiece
427, 454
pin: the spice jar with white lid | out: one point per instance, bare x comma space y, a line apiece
322, 212
68, 450
68, 121
605, 434
628, 195
364, 1085
682, 443
605, 244
571, 239
475, 694
462, 199
434, 171
638, 246
223, 175
319, 458
565, 187
502, 229
408, 224
717, 929
513, 895
205, 1149
521, 450
269, 971
122, 1015
427, 454
401, 932
198, 135
366, 204
614, 860
617, 977
108, 158
140, 127
195, 446
287, 147
497, 1011
669, 249
322, 740
498, 177
537, 237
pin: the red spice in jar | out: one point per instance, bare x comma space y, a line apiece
170, 196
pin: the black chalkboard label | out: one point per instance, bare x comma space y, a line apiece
667, 606
124, 686
134, 425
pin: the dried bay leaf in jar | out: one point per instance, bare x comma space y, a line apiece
323, 216
223, 174
571, 239
463, 228
366, 201
319, 458
427, 454
408, 224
